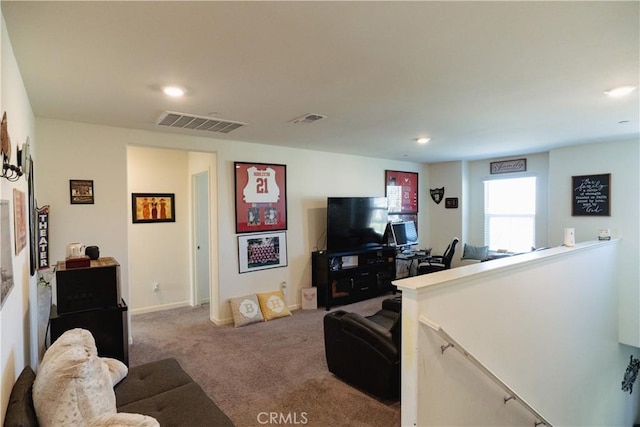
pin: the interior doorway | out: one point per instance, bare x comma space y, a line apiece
201, 233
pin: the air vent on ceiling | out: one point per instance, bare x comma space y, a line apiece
190, 121
308, 118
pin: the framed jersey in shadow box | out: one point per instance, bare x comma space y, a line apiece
401, 190
261, 197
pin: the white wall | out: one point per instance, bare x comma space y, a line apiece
445, 224
465, 181
18, 315
311, 178
163, 246
622, 160
166, 246
537, 166
77, 151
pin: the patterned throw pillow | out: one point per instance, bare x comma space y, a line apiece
74, 386
245, 310
273, 305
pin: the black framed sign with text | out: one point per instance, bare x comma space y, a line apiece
591, 195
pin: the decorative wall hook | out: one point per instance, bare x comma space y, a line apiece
631, 374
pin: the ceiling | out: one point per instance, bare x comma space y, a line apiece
481, 79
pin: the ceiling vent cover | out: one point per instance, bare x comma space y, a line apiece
308, 118
190, 121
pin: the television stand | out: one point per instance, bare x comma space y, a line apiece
343, 277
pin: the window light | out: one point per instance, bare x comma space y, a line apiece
620, 91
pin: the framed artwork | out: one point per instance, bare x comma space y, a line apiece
262, 251
6, 258
261, 197
508, 166
153, 207
591, 195
451, 203
81, 191
19, 220
401, 189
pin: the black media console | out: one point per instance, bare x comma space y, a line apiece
349, 276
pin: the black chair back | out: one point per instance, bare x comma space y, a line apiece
448, 254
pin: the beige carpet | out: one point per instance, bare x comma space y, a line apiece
270, 373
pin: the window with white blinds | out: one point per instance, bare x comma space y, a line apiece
510, 214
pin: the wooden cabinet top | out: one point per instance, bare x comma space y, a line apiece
100, 262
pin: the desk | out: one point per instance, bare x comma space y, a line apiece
407, 264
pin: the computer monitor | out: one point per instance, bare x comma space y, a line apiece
404, 234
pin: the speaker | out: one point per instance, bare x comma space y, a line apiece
93, 252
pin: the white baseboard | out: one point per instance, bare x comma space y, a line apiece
160, 307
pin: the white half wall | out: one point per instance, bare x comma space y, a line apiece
544, 322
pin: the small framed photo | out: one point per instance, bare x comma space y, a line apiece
451, 203
81, 191
153, 207
262, 251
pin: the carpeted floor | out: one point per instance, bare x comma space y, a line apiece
270, 369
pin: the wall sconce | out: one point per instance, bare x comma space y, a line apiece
10, 172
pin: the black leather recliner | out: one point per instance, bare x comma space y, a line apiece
365, 351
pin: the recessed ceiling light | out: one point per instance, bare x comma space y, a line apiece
423, 140
617, 92
173, 91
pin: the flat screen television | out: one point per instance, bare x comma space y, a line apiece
356, 223
404, 234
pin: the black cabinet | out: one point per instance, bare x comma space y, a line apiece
89, 298
108, 326
86, 288
349, 276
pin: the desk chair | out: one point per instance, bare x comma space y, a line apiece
439, 262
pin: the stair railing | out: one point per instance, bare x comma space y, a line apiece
511, 394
